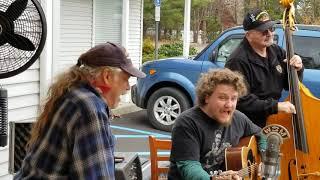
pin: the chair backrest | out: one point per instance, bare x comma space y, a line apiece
155, 145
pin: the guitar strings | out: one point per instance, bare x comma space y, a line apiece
245, 174
245, 171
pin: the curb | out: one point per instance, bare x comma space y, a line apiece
125, 108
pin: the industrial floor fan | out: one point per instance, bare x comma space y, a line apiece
23, 32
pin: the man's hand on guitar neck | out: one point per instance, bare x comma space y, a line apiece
227, 175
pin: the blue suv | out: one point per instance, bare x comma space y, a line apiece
169, 87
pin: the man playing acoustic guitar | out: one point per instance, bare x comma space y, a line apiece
201, 134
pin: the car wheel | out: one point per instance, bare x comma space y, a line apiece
165, 105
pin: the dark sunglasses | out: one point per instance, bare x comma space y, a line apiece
266, 32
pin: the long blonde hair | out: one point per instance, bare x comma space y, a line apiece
64, 83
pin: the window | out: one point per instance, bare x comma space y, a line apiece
108, 19
227, 48
308, 49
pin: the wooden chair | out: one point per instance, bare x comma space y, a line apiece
155, 145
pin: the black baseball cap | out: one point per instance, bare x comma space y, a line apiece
109, 54
258, 20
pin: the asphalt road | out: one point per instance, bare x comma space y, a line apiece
132, 131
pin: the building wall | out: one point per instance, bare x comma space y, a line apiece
135, 31
134, 41
23, 104
76, 29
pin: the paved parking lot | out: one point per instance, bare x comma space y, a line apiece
132, 131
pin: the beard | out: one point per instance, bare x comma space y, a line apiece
269, 42
227, 123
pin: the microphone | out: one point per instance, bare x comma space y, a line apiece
271, 156
3, 116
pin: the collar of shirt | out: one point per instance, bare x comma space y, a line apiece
93, 90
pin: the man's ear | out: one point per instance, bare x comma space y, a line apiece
107, 76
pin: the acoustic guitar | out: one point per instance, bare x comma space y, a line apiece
244, 158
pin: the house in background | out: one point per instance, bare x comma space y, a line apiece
74, 26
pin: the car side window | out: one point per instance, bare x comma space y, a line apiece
226, 48
308, 49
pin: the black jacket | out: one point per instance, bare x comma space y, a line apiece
266, 78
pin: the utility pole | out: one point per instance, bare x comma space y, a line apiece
186, 29
157, 4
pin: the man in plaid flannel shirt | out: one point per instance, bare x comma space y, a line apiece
72, 138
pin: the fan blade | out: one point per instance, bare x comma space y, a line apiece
20, 42
16, 9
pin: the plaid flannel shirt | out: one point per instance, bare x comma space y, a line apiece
77, 143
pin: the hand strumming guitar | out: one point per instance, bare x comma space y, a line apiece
226, 175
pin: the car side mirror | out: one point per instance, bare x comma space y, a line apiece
213, 55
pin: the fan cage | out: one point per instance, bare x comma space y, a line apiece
32, 25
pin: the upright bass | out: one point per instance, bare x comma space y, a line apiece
301, 153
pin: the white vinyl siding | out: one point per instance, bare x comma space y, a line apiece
135, 32
75, 32
23, 104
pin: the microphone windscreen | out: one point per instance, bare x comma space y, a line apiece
273, 146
